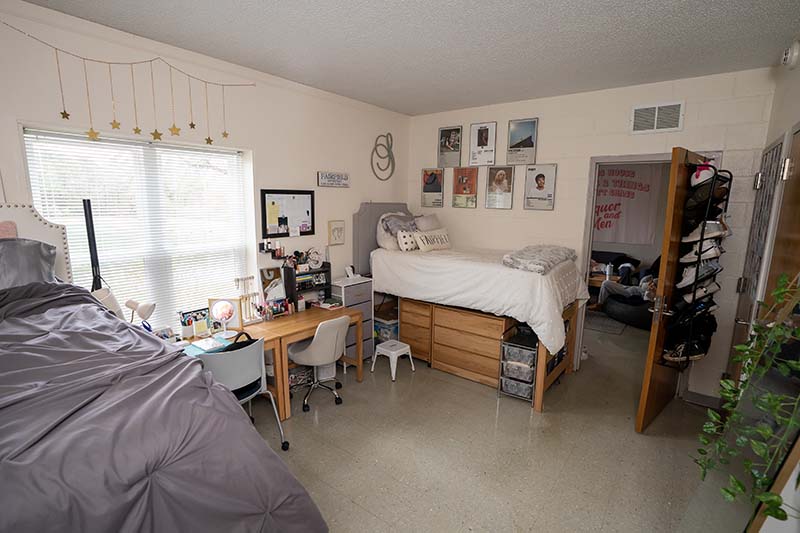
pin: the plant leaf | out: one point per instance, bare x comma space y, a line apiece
713, 415
770, 498
728, 494
736, 485
776, 512
759, 448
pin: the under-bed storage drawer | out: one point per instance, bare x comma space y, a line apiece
415, 327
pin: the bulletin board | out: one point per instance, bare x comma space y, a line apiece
286, 213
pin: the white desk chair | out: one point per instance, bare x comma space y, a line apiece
393, 350
243, 371
322, 352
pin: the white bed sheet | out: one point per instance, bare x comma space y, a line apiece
477, 279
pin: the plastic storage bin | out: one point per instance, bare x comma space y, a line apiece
516, 388
386, 330
519, 354
518, 371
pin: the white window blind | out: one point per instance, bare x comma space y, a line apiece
169, 221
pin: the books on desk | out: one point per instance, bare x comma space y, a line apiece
209, 345
330, 304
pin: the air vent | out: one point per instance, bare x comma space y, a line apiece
657, 118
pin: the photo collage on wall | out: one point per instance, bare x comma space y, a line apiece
522, 142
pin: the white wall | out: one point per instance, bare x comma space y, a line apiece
727, 112
289, 130
786, 105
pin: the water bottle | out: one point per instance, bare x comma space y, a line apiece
609, 270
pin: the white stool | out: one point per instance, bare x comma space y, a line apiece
393, 349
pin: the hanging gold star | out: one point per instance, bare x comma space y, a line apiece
192, 125
174, 130
93, 135
209, 140
114, 124
225, 134
137, 130
65, 115
156, 134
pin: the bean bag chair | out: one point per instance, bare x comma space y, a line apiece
631, 311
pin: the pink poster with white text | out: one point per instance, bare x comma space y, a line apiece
626, 209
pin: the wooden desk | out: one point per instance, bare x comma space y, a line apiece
278, 334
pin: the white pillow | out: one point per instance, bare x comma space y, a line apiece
385, 239
432, 240
407, 240
428, 222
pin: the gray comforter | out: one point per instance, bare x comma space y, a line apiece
104, 427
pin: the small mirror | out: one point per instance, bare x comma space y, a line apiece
286, 213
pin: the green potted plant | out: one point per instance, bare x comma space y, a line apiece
759, 425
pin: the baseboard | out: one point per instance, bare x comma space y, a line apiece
702, 399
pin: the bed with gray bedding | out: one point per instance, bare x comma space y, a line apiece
103, 427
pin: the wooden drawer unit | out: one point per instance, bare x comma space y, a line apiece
468, 343
415, 327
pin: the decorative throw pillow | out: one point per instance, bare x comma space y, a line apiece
432, 240
8, 229
24, 261
428, 222
385, 239
393, 223
407, 241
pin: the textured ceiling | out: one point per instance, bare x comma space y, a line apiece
424, 56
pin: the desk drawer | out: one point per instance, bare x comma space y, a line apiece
365, 308
467, 341
366, 334
369, 347
354, 294
412, 306
477, 324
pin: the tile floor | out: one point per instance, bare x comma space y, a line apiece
433, 452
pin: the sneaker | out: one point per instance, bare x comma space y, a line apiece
687, 351
703, 174
699, 197
702, 292
693, 217
703, 270
711, 250
714, 229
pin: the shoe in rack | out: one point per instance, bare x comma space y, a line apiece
685, 351
710, 250
703, 270
714, 229
702, 174
701, 292
699, 196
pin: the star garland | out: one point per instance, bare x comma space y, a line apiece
115, 123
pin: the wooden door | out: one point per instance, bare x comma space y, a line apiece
765, 184
785, 256
660, 381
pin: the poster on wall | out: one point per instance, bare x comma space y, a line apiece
540, 187
500, 188
522, 141
449, 147
482, 138
627, 203
465, 187
432, 187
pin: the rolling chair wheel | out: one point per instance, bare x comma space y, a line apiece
306, 408
285, 445
338, 385
338, 401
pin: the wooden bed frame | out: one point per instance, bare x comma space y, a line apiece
463, 342
31, 225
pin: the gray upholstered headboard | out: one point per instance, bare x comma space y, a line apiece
365, 224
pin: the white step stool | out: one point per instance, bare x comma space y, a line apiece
393, 349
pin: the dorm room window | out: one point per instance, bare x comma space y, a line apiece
169, 221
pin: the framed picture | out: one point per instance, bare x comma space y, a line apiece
335, 232
465, 187
482, 137
286, 213
500, 188
449, 147
333, 179
432, 187
225, 313
522, 141
540, 187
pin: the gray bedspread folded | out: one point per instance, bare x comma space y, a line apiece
539, 258
103, 427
